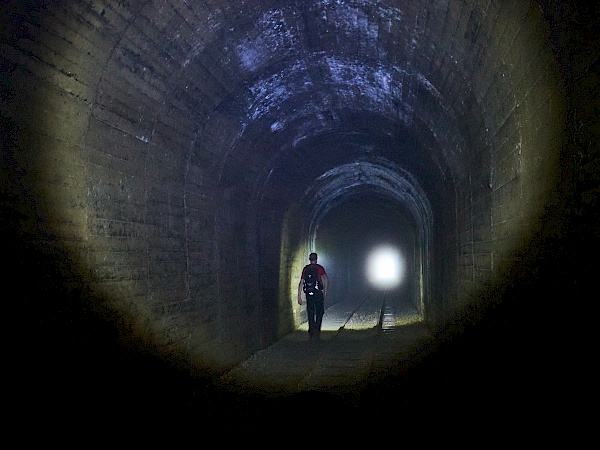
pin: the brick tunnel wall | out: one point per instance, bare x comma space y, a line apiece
147, 142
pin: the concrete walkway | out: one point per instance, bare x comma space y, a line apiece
360, 344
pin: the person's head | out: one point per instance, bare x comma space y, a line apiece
312, 257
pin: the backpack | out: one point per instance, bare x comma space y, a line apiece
311, 280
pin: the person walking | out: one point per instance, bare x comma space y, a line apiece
314, 283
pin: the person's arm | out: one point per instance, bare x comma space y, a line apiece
325, 281
300, 287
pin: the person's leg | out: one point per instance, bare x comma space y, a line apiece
319, 312
310, 312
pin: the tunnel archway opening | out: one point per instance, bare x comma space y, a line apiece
354, 208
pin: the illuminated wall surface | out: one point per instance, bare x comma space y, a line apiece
167, 166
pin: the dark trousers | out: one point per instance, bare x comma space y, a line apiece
315, 308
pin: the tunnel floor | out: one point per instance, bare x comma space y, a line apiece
361, 343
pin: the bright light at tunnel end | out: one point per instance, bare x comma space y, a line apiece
385, 267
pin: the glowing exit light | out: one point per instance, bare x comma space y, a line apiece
385, 267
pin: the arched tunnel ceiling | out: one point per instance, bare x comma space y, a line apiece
324, 72
392, 183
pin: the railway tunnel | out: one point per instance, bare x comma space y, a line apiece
168, 165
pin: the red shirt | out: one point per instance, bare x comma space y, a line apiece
320, 272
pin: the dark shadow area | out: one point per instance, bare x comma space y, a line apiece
68, 357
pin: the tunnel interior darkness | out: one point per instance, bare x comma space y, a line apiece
168, 165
